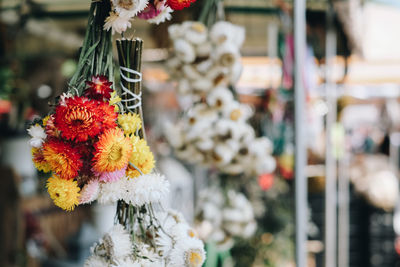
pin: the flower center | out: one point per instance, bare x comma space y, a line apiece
126, 4
194, 258
115, 153
235, 114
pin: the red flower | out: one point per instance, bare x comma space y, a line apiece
108, 115
266, 181
78, 119
179, 4
99, 88
62, 158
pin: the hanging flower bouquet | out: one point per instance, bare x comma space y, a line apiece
214, 131
94, 145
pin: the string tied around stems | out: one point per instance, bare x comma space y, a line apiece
136, 99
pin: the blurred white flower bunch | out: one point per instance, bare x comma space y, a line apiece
172, 243
205, 59
154, 11
214, 131
219, 219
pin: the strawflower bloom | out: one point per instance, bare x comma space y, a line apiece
79, 119
179, 4
65, 193
111, 176
141, 157
39, 161
112, 151
38, 135
108, 115
62, 158
146, 167
130, 123
89, 192
99, 88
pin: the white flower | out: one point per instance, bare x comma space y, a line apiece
205, 143
117, 23
129, 8
119, 240
265, 164
223, 31
174, 134
219, 97
126, 262
38, 135
190, 154
116, 244
96, 261
204, 66
249, 229
184, 51
146, 189
219, 75
164, 15
184, 86
112, 192
190, 72
223, 153
64, 97
236, 72
204, 49
176, 31
202, 85
382, 189
261, 146
196, 33
227, 55
188, 252
237, 112
164, 243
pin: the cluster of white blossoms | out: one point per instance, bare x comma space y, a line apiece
214, 131
144, 189
205, 59
219, 219
173, 243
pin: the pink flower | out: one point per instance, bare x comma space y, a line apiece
89, 192
108, 177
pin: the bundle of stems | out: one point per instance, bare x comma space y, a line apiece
96, 52
130, 57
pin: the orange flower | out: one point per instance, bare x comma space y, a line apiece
78, 119
62, 158
112, 151
39, 161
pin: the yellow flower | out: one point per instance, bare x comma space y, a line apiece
112, 151
38, 160
65, 193
45, 119
114, 100
141, 157
130, 123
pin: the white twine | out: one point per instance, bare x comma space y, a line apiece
134, 98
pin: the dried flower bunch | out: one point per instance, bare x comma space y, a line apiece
214, 131
92, 149
93, 144
174, 245
154, 11
221, 218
